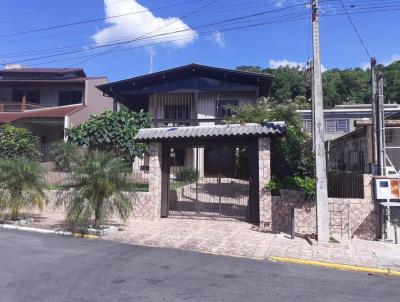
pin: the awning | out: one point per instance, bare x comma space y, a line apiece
211, 131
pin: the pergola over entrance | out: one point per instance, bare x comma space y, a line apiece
211, 170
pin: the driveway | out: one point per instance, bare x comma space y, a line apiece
36, 267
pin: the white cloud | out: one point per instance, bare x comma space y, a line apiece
281, 63
218, 38
284, 62
279, 3
393, 58
137, 25
365, 65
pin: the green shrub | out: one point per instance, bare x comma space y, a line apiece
65, 155
305, 184
112, 132
18, 142
21, 185
187, 175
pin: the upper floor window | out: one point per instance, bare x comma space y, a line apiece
223, 109
69, 97
341, 125
31, 95
177, 112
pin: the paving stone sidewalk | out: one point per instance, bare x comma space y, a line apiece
237, 238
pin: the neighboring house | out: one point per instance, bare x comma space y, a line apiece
340, 119
191, 95
353, 151
47, 100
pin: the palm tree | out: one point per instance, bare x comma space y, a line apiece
65, 155
95, 189
21, 185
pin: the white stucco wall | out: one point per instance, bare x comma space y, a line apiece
95, 102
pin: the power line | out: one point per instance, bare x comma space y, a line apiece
94, 20
174, 32
149, 33
355, 29
163, 34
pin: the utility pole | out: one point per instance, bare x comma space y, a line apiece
374, 101
323, 231
311, 69
381, 126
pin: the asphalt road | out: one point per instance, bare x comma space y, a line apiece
37, 267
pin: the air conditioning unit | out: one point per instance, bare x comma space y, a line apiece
387, 188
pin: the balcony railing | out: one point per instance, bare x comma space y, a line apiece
183, 122
19, 106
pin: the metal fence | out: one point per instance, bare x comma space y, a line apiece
138, 177
347, 162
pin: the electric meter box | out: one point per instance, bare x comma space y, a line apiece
387, 188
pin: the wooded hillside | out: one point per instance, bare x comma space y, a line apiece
352, 85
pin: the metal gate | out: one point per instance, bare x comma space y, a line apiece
209, 181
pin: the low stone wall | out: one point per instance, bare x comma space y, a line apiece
144, 206
349, 218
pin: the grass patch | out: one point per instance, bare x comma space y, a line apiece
177, 184
138, 187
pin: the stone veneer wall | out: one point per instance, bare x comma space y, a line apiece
264, 170
147, 205
349, 218
153, 204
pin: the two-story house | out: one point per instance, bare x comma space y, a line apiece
47, 100
190, 95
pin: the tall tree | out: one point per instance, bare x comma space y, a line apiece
351, 85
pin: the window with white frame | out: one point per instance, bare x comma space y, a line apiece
330, 126
341, 125
307, 126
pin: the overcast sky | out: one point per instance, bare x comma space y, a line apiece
138, 36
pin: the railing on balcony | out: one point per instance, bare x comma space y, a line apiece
183, 122
19, 106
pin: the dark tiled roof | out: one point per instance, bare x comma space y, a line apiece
232, 130
52, 112
42, 81
55, 71
263, 81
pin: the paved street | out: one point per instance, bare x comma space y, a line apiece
37, 267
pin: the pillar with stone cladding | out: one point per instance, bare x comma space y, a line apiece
155, 179
264, 176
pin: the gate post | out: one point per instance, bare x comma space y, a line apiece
155, 178
264, 176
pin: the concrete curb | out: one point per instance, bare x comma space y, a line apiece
338, 266
44, 231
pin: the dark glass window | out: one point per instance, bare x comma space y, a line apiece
69, 97
223, 109
32, 95
177, 112
17, 95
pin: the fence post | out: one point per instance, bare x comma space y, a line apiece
292, 223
